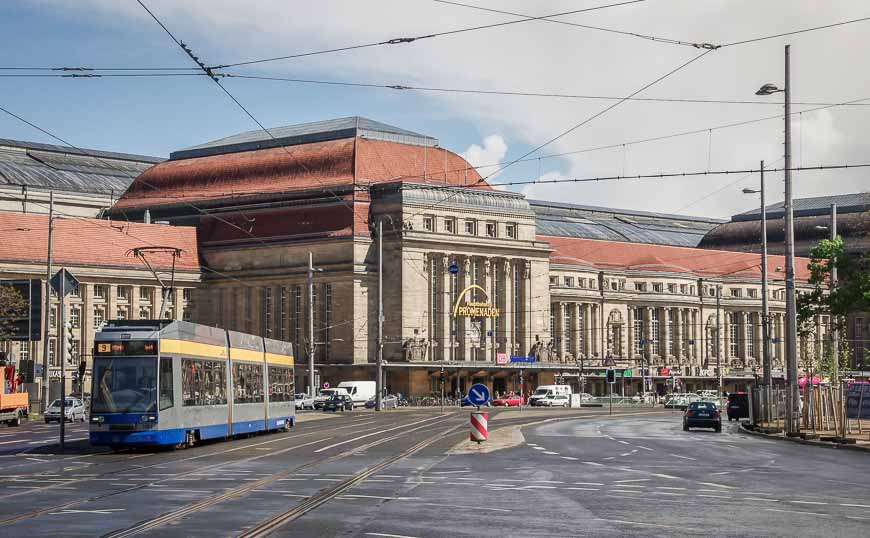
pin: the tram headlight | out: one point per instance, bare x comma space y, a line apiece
148, 418
97, 420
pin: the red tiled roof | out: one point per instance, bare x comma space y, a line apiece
316, 165
644, 257
94, 242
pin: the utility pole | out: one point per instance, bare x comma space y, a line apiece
792, 415
379, 380
765, 310
44, 403
835, 321
311, 339
63, 358
719, 338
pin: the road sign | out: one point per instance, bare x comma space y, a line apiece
478, 394
326, 385
478, 424
63, 282
516, 358
501, 358
453, 268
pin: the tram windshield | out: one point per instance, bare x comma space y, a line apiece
124, 385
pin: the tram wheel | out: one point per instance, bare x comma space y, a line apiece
189, 439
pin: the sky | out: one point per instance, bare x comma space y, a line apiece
157, 115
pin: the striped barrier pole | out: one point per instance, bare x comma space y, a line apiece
478, 424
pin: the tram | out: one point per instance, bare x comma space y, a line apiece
175, 383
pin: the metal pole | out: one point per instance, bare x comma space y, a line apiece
610, 412
63, 357
835, 321
719, 339
380, 359
442, 391
47, 315
311, 344
765, 310
792, 425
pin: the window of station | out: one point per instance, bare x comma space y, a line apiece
99, 292
123, 293
471, 227
122, 313
280, 384
247, 383
672, 288
450, 226
76, 292
581, 282
658, 287
569, 281
429, 223
144, 313
640, 286
75, 318
145, 294
683, 288
203, 382
554, 281
99, 317
187, 293
752, 292
491, 229
736, 292
614, 285
510, 230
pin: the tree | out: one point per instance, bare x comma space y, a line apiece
850, 294
13, 307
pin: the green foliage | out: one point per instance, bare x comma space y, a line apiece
12, 306
852, 290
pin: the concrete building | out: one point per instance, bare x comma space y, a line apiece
114, 284
84, 182
473, 276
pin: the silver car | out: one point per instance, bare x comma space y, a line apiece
74, 409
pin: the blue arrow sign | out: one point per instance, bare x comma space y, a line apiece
478, 394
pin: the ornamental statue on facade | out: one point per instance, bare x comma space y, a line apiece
542, 352
414, 349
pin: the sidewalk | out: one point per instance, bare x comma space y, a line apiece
825, 438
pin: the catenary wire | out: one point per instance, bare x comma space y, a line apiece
402, 40
585, 26
795, 32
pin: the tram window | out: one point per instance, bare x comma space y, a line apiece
165, 384
203, 382
247, 383
280, 384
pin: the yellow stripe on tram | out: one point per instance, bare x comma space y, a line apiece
246, 355
183, 347
283, 360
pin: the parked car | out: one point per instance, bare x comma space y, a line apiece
681, 401
326, 394
510, 400
388, 402
555, 400
303, 401
466, 403
338, 402
75, 410
545, 391
737, 406
702, 415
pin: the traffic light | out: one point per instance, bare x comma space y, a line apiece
68, 342
611, 375
82, 366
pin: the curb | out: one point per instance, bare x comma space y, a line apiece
823, 444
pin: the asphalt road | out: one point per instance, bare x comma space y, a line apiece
574, 473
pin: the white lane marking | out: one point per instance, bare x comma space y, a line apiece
538, 487
585, 489
532, 444
549, 481
353, 496
388, 476
623, 442
430, 419
551, 453
593, 463
760, 499
388, 535
719, 473
716, 485
683, 457
589, 483
98, 511
628, 486
610, 458
669, 493
624, 455
569, 458
668, 487
856, 505
448, 472
379, 480
813, 513
539, 448
806, 502
631, 480
624, 522
469, 478
645, 448
713, 496
182, 490
508, 480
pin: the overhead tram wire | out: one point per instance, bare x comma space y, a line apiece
586, 26
511, 93
795, 32
215, 77
404, 40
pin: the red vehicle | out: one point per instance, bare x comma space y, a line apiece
510, 400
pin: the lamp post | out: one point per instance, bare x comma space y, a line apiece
792, 425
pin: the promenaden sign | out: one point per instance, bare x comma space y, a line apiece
474, 309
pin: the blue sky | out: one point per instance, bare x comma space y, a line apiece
157, 115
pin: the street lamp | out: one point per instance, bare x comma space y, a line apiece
792, 424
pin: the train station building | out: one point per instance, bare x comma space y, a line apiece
479, 283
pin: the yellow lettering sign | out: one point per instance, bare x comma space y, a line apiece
474, 309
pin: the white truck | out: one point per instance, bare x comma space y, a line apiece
360, 391
548, 391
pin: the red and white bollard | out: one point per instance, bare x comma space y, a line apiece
478, 426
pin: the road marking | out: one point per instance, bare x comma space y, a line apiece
539, 448
532, 444
97, 511
353, 496
549, 481
388, 476
389, 535
716, 485
683, 457
448, 472
669, 493
713, 496
539, 487
594, 463
568, 458
379, 480
430, 420
630, 480
628, 486
621, 455
812, 513
610, 458
856, 505
806, 502
643, 524
585, 489
720, 473
623, 442
668, 487
760, 499
508, 480
551, 453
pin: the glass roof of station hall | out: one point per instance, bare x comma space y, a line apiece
590, 222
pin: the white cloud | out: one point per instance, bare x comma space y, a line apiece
486, 158
538, 56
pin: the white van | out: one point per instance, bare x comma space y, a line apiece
360, 391
326, 394
544, 391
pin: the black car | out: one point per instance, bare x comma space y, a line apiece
737, 406
338, 402
702, 415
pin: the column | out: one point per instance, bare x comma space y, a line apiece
576, 329
742, 334
693, 317
647, 332
679, 333
586, 327
665, 332
486, 324
629, 341
464, 323
527, 336
446, 339
507, 312
559, 323
134, 303
595, 331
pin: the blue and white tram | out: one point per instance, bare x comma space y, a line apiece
174, 383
